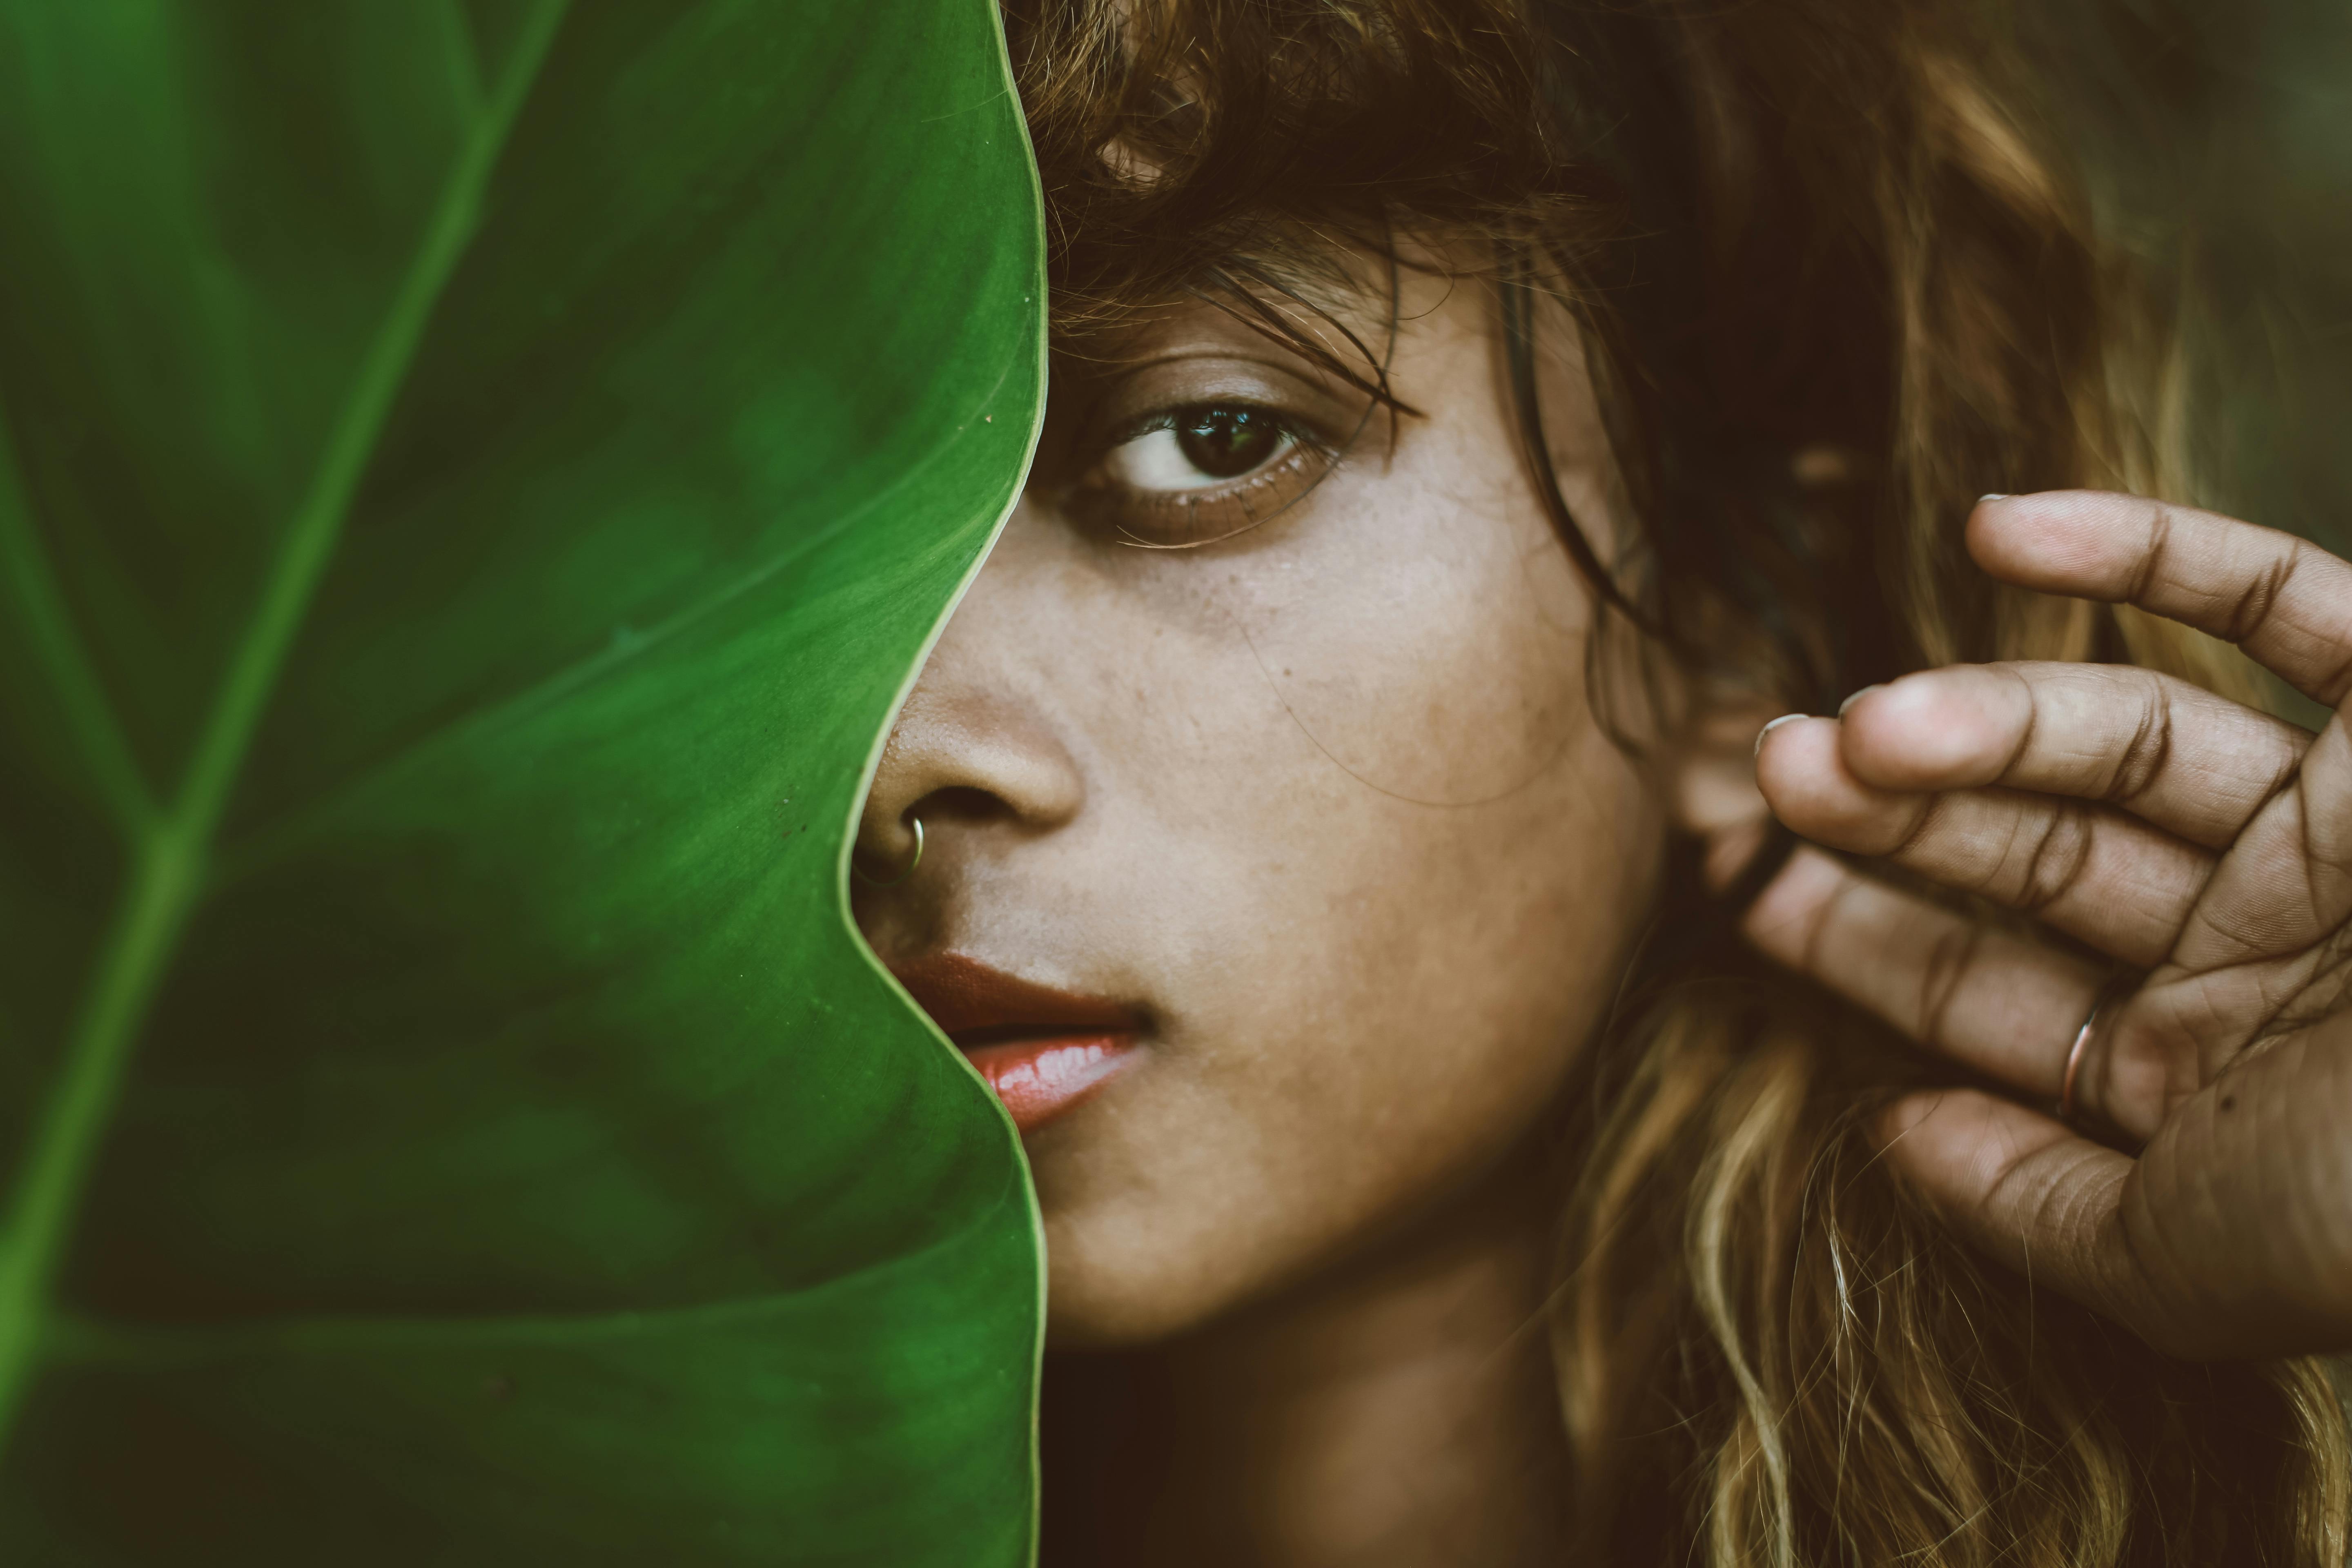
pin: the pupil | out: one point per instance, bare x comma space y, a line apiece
1227, 442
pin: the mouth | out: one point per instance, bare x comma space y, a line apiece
1043, 1050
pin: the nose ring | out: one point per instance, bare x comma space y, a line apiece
894, 882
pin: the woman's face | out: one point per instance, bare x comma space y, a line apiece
1307, 829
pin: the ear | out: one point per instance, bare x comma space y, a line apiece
1710, 779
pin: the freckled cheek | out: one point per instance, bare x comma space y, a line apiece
1477, 950
1329, 1074
1368, 995
1432, 649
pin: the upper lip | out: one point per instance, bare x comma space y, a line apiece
966, 998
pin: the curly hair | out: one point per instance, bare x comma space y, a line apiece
1833, 287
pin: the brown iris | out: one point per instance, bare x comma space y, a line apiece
1226, 442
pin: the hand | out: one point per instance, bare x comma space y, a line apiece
2198, 841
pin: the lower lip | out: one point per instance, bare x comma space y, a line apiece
1039, 1080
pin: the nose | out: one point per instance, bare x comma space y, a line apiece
963, 758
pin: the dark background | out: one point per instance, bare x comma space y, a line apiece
2219, 133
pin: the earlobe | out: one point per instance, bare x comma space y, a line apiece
1710, 779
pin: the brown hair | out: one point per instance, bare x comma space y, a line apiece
1835, 289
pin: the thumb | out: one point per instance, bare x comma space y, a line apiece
2024, 1188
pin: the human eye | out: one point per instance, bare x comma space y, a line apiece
1200, 472
1195, 448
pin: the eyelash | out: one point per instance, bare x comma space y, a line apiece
1204, 514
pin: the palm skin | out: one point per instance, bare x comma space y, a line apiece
2198, 842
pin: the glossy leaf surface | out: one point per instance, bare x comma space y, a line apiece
477, 478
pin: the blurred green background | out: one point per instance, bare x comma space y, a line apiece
2219, 133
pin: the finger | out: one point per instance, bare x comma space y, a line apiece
2089, 870
2008, 1007
2287, 603
2173, 754
2285, 889
2022, 1187
2225, 1236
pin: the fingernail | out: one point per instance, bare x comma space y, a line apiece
1858, 697
1784, 719
1981, 499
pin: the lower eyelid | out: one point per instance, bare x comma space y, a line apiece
1204, 514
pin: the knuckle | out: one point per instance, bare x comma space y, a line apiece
2147, 751
2251, 609
2054, 859
1824, 921
1950, 958
2334, 680
1905, 838
2149, 568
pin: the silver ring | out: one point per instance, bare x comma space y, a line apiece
2066, 1109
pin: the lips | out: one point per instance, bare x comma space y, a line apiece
1043, 1050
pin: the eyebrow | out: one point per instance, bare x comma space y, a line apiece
1235, 277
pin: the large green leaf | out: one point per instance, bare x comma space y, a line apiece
476, 478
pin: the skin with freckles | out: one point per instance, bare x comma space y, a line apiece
1267, 721
1319, 795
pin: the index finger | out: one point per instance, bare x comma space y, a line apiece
2168, 751
2286, 601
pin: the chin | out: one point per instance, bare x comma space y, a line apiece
1102, 1295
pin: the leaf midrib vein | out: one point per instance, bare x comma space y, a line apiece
168, 864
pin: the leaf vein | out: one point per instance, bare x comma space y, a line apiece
266, 842
58, 646
168, 873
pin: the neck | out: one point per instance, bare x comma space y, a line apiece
1397, 1410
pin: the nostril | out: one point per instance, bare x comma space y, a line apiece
919, 823
913, 864
969, 762
959, 803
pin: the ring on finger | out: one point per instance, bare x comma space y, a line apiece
2066, 1110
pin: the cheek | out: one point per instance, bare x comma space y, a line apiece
1428, 637
1401, 866
1347, 1044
